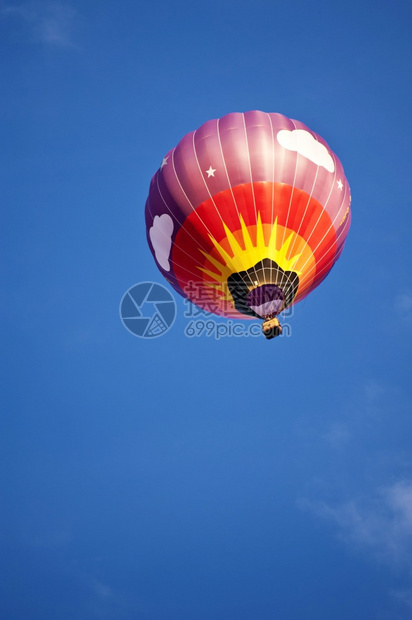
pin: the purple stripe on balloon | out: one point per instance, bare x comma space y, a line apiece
237, 149
266, 300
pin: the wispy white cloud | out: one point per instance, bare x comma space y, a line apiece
337, 435
404, 596
380, 524
34, 531
103, 601
373, 392
403, 306
358, 411
101, 590
49, 22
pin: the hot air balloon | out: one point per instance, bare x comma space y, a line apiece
247, 215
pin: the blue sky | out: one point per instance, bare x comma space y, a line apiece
196, 478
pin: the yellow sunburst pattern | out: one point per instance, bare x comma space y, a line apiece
247, 244
240, 250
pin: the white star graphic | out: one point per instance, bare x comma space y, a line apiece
340, 185
211, 172
164, 161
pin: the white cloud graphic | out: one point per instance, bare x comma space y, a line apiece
161, 237
305, 144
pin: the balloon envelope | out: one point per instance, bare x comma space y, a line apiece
248, 214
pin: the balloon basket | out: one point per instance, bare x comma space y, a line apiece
271, 328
